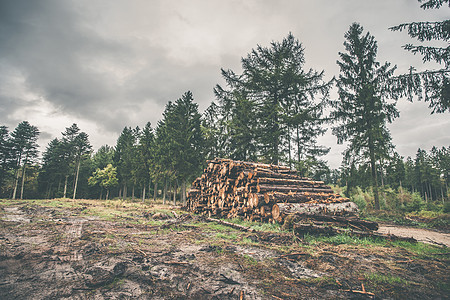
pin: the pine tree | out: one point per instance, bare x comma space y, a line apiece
24, 150
361, 110
277, 98
5, 156
145, 152
179, 142
123, 158
431, 85
76, 147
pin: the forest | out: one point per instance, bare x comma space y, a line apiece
274, 111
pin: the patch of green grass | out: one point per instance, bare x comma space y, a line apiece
250, 260
419, 249
227, 236
247, 241
341, 239
256, 225
382, 279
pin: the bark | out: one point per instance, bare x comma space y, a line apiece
76, 178
291, 188
155, 192
65, 186
164, 191
175, 193
143, 194
374, 174
344, 209
16, 183
23, 180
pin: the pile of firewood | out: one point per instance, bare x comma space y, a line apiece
262, 192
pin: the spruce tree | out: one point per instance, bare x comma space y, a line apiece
272, 101
24, 150
431, 85
361, 112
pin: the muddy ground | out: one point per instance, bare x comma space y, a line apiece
89, 249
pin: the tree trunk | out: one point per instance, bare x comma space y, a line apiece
155, 192
174, 193
107, 194
124, 196
284, 209
164, 191
143, 194
183, 192
16, 183
76, 178
65, 186
101, 193
132, 193
374, 174
23, 180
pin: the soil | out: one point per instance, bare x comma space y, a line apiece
89, 250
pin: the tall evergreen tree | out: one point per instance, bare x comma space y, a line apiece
214, 132
431, 85
5, 156
145, 152
275, 95
82, 149
53, 168
76, 148
180, 141
123, 158
24, 149
103, 157
361, 110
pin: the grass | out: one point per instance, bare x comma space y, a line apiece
382, 279
419, 249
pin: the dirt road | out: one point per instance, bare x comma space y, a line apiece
421, 235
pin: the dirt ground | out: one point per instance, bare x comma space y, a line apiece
422, 235
116, 250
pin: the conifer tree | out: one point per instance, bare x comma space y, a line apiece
24, 149
362, 110
5, 156
431, 85
272, 101
179, 142
123, 158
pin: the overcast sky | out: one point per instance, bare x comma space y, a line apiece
108, 64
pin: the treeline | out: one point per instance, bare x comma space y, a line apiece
273, 112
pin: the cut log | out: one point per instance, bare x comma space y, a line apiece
342, 209
301, 197
262, 188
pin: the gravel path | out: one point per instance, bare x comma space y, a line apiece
422, 235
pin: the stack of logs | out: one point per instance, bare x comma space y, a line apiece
267, 193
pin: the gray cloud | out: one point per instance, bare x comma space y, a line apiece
109, 64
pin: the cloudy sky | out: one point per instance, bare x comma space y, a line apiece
108, 64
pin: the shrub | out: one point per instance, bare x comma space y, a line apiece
415, 204
359, 200
446, 208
